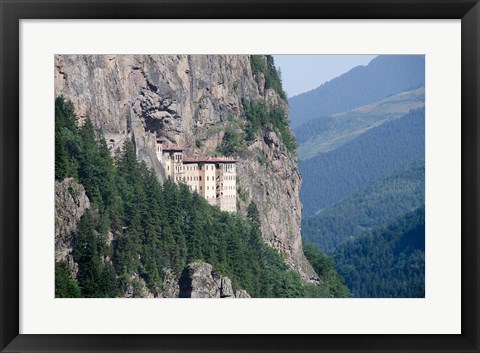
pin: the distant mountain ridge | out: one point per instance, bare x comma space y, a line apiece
378, 204
332, 176
383, 76
328, 133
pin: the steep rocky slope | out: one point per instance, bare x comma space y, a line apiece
191, 101
71, 202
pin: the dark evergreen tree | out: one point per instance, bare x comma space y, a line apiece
388, 261
86, 254
65, 285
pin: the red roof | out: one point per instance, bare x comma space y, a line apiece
172, 148
209, 160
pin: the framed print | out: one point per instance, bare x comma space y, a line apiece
314, 162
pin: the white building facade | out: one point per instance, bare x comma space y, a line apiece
214, 178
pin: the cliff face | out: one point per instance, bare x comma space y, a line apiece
71, 202
191, 100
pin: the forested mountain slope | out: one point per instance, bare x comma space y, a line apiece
378, 204
328, 133
388, 262
383, 76
332, 176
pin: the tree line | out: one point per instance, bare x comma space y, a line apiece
387, 262
335, 175
378, 204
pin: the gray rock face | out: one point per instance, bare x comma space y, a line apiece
171, 288
71, 202
137, 288
191, 100
198, 281
242, 294
226, 289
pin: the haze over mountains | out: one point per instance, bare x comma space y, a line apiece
331, 176
361, 146
383, 76
379, 203
328, 133
388, 262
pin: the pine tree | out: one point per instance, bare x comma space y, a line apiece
65, 285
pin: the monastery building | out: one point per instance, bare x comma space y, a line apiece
212, 177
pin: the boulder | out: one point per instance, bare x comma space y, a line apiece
198, 281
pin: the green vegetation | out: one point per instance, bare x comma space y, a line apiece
154, 226
242, 194
266, 65
335, 175
325, 269
198, 143
327, 133
214, 129
262, 160
259, 117
387, 262
236, 84
379, 203
232, 142
65, 286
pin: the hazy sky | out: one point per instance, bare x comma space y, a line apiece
302, 73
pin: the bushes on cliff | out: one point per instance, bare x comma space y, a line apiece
325, 269
258, 116
232, 142
265, 64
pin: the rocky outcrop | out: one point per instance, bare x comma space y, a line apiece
136, 288
242, 294
274, 186
71, 202
198, 281
191, 100
170, 285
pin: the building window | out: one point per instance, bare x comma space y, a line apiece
200, 177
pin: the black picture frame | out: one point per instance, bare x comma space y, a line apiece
14, 10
